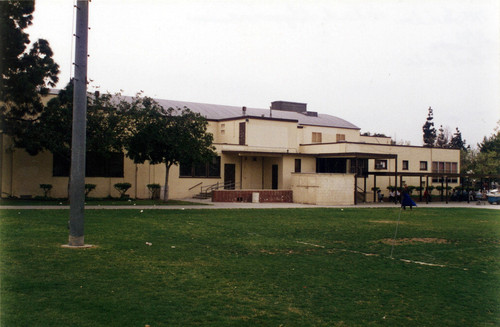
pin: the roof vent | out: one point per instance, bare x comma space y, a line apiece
311, 113
289, 106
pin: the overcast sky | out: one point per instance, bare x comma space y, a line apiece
378, 64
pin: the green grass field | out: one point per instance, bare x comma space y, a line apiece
93, 202
276, 267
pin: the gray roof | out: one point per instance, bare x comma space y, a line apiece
221, 112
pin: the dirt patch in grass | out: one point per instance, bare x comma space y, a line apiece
387, 222
414, 240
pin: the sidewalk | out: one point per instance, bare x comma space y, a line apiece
247, 205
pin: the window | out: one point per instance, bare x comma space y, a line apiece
201, 170
96, 165
99, 165
380, 164
405, 164
423, 165
316, 137
331, 165
243, 128
298, 165
340, 137
444, 167
222, 129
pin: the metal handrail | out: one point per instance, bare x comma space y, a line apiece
192, 187
209, 188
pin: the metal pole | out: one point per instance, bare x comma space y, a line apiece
78, 147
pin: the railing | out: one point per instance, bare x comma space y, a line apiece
205, 191
192, 187
360, 193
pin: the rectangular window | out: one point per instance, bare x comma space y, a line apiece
201, 170
331, 165
60, 166
243, 128
96, 165
340, 137
444, 167
423, 165
298, 165
316, 137
405, 165
380, 164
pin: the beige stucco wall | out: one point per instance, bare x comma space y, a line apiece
328, 134
271, 134
323, 189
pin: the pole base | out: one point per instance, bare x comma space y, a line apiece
84, 246
76, 242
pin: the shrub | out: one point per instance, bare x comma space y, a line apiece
122, 188
46, 189
89, 188
154, 189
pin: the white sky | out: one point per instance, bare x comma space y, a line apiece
376, 63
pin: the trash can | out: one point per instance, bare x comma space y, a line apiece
255, 197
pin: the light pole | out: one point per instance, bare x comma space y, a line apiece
78, 147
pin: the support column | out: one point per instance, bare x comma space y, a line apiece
355, 189
427, 189
446, 190
396, 179
364, 188
442, 188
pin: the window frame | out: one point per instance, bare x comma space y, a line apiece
381, 164
405, 165
317, 137
298, 165
111, 165
201, 170
425, 166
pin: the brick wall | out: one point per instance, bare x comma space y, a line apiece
246, 195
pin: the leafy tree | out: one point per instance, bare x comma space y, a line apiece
429, 130
467, 160
487, 163
51, 131
491, 143
487, 160
25, 74
166, 136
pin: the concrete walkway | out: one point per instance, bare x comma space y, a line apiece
246, 205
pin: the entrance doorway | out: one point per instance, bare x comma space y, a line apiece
274, 177
229, 176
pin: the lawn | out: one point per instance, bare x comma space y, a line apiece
272, 267
93, 202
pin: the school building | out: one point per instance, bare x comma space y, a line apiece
285, 153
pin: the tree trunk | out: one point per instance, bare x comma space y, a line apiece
165, 190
